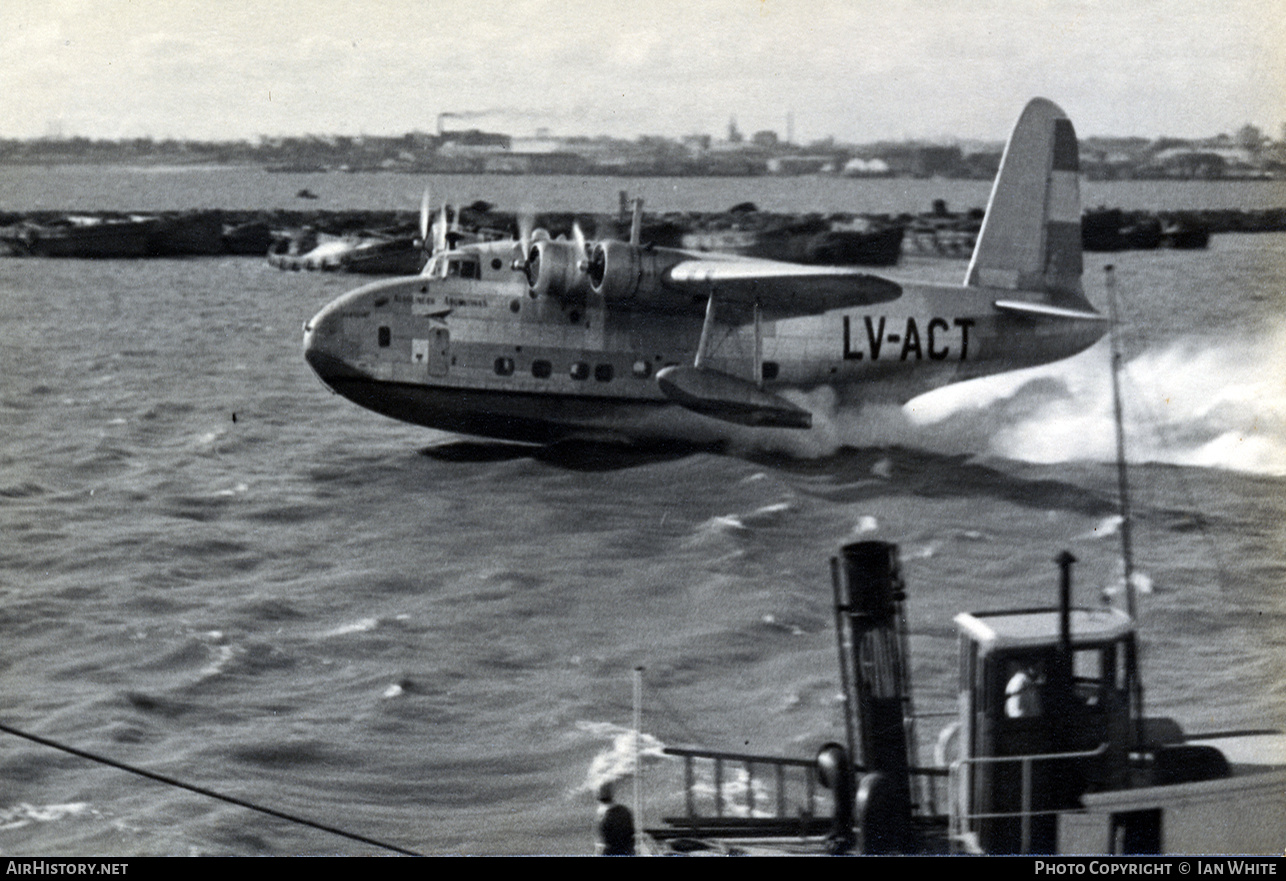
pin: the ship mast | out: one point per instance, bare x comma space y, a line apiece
1123, 485
1122, 479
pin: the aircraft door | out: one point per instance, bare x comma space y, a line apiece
439, 350
434, 352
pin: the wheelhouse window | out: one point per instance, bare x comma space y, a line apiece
771, 369
385, 337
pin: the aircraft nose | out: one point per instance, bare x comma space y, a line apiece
323, 342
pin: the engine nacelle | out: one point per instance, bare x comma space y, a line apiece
553, 269
615, 269
621, 271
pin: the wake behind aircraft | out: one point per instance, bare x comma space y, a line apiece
545, 340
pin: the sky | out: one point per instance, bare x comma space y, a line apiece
855, 70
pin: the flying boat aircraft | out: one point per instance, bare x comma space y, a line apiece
544, 340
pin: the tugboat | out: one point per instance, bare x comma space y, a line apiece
1050, 752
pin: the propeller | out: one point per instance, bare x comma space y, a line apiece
582, 249
568, 261
526, 224
453, 229
636, 221
424, 218
440, 231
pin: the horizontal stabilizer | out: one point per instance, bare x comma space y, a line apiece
729, 398
1044, 310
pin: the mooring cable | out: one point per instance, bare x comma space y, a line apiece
200, 790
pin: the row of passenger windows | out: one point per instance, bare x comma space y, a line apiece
581, 370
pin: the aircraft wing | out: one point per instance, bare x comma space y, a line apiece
783, 290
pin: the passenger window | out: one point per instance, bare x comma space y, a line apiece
385, 337
642, 368
580, 370
504, 366
771, 369
541, 369
603, 372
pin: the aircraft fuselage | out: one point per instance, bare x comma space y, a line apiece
479, 355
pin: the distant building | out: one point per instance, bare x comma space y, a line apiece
859, 167
474, 141
798, 164
535, 163
917, 160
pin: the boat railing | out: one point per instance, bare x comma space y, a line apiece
960, 819
730, 794
739, 794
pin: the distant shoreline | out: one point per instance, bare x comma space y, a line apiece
178, 167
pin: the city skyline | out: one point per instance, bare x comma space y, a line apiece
855, 71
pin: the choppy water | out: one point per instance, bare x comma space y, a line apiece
432, 642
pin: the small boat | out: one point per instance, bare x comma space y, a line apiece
866, 244
402, 255
180, 234
840, 240
942, 233
87, 237
370, 254
1186, 234
252, 238
187, 234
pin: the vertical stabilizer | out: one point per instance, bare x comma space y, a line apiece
1031, 236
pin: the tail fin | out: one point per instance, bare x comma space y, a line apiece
1031, 235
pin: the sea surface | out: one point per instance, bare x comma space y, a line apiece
214, 569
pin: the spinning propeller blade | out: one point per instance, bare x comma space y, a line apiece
424, 218
440, 231
582, 249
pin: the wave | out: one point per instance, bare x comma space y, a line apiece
618, 761
1194, 402
24, 813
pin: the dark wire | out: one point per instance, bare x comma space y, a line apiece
170, 781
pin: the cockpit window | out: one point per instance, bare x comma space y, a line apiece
463, 269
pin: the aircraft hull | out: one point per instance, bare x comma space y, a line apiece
528, 417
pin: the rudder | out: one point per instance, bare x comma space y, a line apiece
1031, 235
